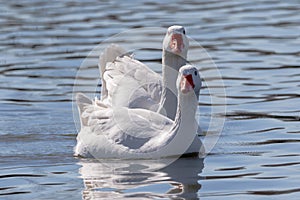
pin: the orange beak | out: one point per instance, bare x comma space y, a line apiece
187, 84
176, 43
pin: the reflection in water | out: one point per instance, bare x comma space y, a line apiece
141, 178
255, 45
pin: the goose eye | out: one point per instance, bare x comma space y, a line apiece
183, 31
195, 73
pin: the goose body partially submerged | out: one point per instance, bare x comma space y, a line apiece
122, 132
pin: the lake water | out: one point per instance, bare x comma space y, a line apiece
256, 46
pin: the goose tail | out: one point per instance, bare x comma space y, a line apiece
109, 55
82, 101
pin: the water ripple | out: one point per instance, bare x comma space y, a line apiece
254, 44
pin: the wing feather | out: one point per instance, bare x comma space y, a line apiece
124, 126
126, 77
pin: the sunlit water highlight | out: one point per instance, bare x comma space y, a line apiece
254, 44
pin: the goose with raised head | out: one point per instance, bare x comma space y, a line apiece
107, 132
130, 83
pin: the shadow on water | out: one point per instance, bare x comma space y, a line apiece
145, 179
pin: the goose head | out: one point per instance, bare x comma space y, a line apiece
188, 80
176, 41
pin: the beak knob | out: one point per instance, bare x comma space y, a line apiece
187, 84
176, 43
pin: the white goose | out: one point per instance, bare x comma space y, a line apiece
107, 132
130, 83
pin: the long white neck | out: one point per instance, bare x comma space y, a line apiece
181, 135
170, 67
186, 110
184, 129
